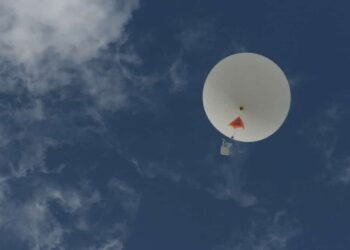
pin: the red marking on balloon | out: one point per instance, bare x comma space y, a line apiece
237, 123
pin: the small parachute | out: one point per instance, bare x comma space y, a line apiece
237, 123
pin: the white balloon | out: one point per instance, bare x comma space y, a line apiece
246, 97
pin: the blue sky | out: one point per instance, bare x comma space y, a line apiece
105, 144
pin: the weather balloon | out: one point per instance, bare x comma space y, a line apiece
246, 97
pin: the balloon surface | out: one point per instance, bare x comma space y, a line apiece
246, 97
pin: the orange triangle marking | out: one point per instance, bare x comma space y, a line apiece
237, 123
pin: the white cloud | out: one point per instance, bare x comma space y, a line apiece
48, 45
70, 29
45, 44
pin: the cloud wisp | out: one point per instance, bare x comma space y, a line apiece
52, 213
224, 178
324, 133
268, 233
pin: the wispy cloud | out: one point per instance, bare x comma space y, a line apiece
179, 75
22, 148
268, 233
36, 219
122, 191
230, 179
114, 244
223, 178
344, 172
324, 132
153, 169
33, 220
